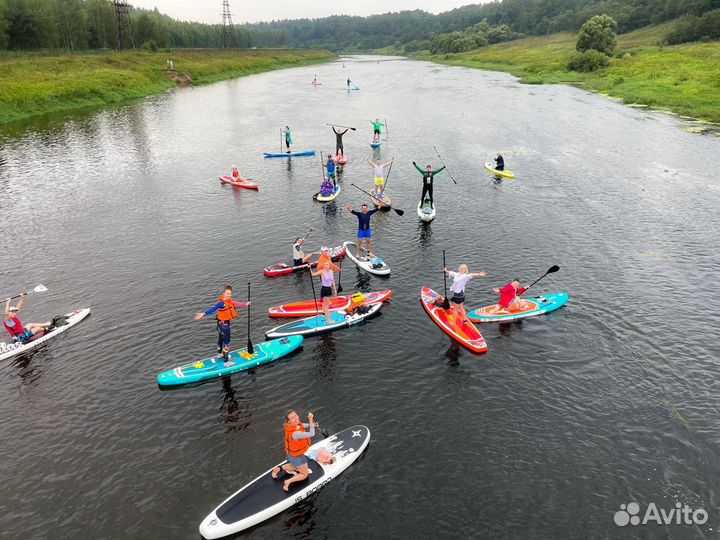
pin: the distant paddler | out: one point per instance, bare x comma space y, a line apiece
288, 138
377, 129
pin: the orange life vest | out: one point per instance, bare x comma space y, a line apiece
292, 447
227, 313
235, 173
324, 257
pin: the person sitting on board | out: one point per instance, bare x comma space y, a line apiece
379, 176
288, 138
349, 82
460, 279
327, 188
297, 442
499, 162
299, 257
331, 169
510, 301
339, 149
377, 126
328, 289
428, 176
236, 174
226, 312
18, 332
364, 233
314, 79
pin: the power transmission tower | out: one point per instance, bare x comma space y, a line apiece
228, 35
124, 38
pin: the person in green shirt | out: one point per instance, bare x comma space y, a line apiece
377, 125
428, 175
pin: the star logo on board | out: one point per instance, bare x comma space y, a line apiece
356, 433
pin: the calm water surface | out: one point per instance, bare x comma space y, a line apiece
610, 400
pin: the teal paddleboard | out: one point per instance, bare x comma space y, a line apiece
210, 368
537, 306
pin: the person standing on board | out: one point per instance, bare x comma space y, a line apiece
226, 312
364, 233
379, 176
460, 279
12, 323
339, 149
377, 128
499, 162
428, 176
288, 138
331, 170
297, 442
328, 289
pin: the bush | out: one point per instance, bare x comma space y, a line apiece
693, 28
149, 45
589, 60
597, 33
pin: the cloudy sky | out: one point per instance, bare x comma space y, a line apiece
210, 11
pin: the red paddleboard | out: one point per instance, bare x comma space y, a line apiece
464, 333
340, 159
240, 183
337, 303
280, 269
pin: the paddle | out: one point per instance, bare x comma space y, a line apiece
441, 161
397, 210
446, 302
554, 268
249, 345
338, 125
313, 288
322, 172
281, 138
387, 130
339, 286
387, 178
325, 433
38, 288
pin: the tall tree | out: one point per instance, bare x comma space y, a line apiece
598, 33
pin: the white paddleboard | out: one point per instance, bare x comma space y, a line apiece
426, 211
366, 263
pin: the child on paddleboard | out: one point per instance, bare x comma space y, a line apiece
225, 313
460, 279
18, 332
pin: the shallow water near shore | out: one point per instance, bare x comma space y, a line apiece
610, 400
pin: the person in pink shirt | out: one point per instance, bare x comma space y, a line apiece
510, 297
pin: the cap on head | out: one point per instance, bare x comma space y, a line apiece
13, 309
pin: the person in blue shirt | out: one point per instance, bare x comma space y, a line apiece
364, 233
331, 170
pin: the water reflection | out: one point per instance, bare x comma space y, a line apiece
326, 356
236, 413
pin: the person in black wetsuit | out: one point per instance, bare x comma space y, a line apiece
499, 162
428, 177
339, 150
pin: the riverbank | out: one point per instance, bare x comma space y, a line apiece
682, 79
32, 85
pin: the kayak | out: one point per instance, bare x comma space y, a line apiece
340, 159
371, 264
322, 198
241, 183
280, 269
464, 333
309, 308
213, 367
289, 154
8, 350
312, 326
505, 174
264, 497
426, 210
536, 306
374, 144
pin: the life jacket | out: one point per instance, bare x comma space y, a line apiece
292, 447
324, 257
17, 329
227, 313
235, 173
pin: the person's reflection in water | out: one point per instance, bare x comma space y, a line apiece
425, 235
507, 328
453, 354
330, 209
362, 281
326, 356
237, 417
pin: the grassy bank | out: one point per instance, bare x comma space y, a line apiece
32, 85
684, 79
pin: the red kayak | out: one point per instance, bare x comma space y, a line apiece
337, 303
280, 269
240, 183
464, 333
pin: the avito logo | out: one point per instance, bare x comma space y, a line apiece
682, 514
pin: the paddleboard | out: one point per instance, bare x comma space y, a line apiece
289, 154
504, 174
264, 497
375, 144
241, 183
321, 198
340, 159
281, 268
426, 210
10, 349
309, 308
312, 326
213, 367
464, 333
366, 263
534, 306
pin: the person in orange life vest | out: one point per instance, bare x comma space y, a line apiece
297, 442
236, 174
325, 257
226, 312
510, 297
15, 327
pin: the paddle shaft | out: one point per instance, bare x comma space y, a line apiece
39, 288
551, 270
446, 302
397, 210
338, 125
339, 286
443, 162
387, 178
249, 343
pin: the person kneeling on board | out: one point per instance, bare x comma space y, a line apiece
428, 176
328, 289
460, 279
499, 162
226, 312
18, 332
297, 442
510, 300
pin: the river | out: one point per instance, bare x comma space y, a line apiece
610, 400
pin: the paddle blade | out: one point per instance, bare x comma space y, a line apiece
339, 289
553, 269
250, 347
446, 303
399, 212
40, 288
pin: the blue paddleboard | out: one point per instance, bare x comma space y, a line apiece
290, 154
538, 306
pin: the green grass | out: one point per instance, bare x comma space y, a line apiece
33, 85
684, 79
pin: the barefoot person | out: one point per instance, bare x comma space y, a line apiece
510, 300
226, 312
377, 128
18, 332
428, 176
364, 233
328, 289
460, 279
379, 175
299, 256
297, 442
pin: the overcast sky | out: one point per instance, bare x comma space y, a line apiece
210, 11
